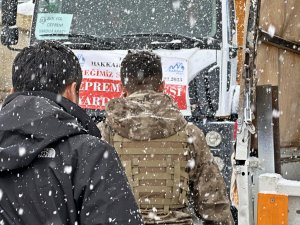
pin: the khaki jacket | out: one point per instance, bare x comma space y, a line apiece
150, 115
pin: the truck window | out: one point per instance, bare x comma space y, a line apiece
114, 18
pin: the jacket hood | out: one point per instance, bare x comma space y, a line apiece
144, 115
29, 124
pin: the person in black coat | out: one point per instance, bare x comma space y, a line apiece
54, 169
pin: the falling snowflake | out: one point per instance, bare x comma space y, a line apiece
276, 113
176, 5
105, 155
67, 169
153, 215
193, 21
22, 151
58, 98
20, 211
126, 80
127, 11
190, 140
111, 220
191, 163
271, 30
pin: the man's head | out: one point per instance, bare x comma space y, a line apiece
141, 70
47, 66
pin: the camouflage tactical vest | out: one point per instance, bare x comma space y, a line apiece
156, 171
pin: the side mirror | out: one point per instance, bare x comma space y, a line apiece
9, 33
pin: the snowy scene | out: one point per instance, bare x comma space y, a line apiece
149, 112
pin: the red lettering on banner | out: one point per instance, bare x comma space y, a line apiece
178, 93
96, 85
95, 93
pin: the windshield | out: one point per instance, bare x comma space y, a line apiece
114, 18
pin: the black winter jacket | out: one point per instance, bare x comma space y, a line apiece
55, 170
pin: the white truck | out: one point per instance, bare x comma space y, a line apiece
196, 40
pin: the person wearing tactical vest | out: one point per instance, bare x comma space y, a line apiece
166, 159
